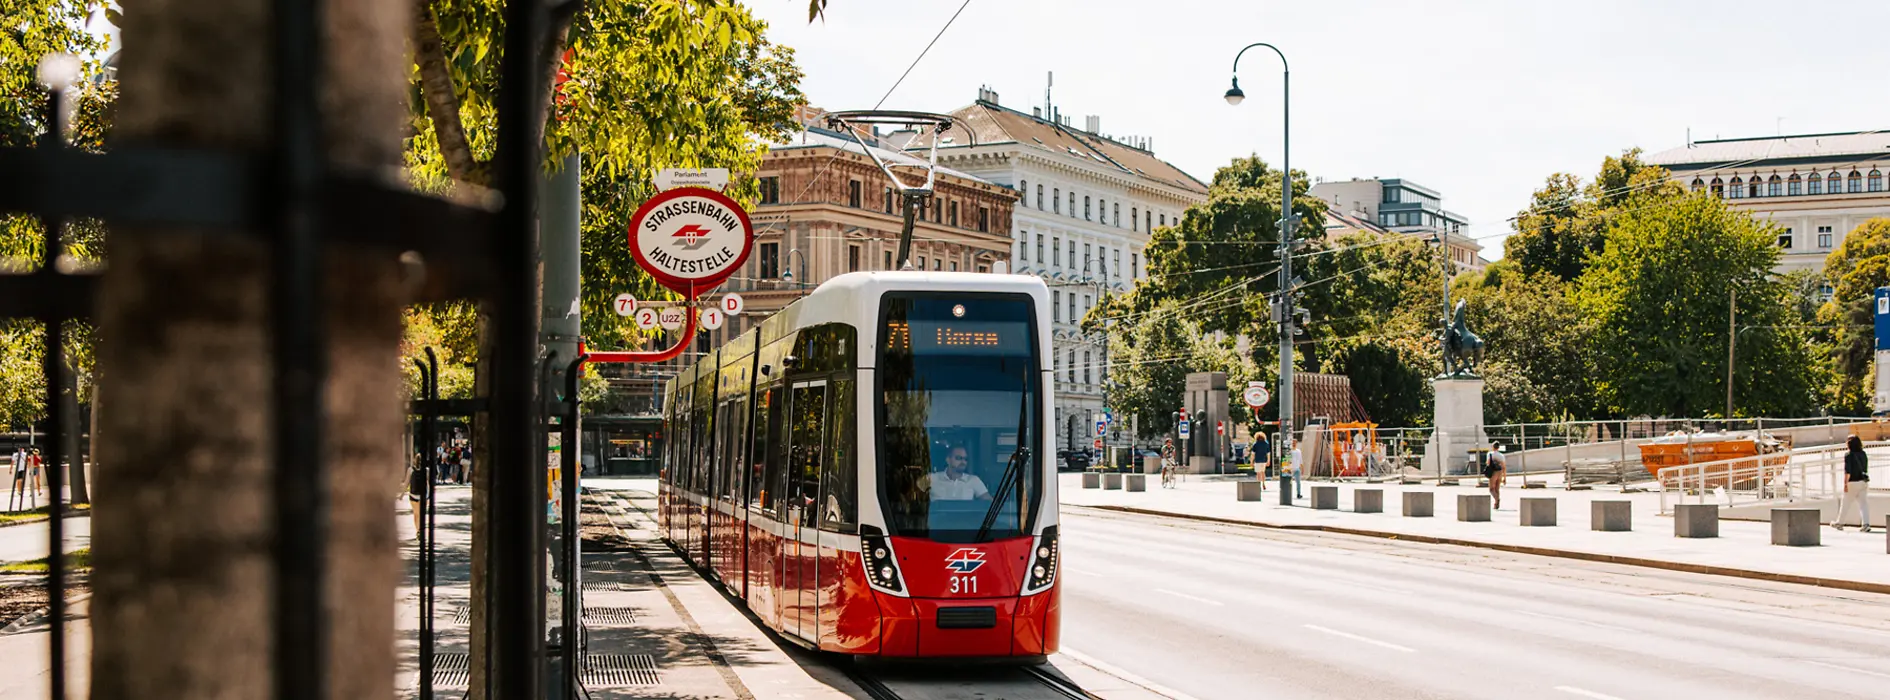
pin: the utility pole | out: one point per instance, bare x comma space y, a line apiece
1732, 337
1287, 224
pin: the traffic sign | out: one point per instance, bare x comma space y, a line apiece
625, 305
711, 178
648, 318
1184, 428
732, 304
713, 318
1098, 443
1220, 427
691, 239
1101, 426
1256, 396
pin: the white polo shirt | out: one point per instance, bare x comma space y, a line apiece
964, 488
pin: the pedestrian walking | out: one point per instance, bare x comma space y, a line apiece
1495, 468
1262, 456
38, 467
17, 485
1856, 484
418, 485
1299, 471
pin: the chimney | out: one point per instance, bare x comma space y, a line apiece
1092, 124
986, 94
1036, 112
1056, 114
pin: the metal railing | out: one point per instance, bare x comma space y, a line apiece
1793, 475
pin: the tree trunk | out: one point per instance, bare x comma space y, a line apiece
76, 465
183, 541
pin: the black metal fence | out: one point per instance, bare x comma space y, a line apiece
288, 197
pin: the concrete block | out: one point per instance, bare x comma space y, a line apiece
1112, 481
1368, 500
1473, 507
1796, 527
1420, 504
1696, 520
1247, 490
1286, 490
1538, 512
1611, 516
1325, 498
1135, 482
1092, 480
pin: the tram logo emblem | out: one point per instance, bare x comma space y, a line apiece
965, 560
692, 236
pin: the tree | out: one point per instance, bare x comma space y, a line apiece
1150, 357
185, 545
1564, 224
1657, 299
1537, 359
1855, 270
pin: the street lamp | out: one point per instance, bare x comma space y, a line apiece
789, 274
1287, 221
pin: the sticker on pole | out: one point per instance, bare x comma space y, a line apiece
1256, 396
712, 319
625, 305
672, 318
690, 238
732, 304
648, 318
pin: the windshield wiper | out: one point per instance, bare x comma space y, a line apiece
1019, 460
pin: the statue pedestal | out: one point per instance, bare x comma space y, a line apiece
1458, 416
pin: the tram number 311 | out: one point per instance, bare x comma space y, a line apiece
964, 584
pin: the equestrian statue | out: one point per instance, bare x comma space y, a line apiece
1463, 350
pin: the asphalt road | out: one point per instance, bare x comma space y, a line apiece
1213, 611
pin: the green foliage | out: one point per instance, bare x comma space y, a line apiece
451, 330
1657, 298
1855, 270
1537, 364
1150, 359
1566, 220
1390, 376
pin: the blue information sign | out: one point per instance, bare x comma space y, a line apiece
1882, 314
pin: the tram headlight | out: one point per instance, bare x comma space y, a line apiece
885, 573
877, 556
1043, 571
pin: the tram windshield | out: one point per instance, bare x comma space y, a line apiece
959, 385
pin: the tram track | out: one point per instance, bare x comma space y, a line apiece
999, 683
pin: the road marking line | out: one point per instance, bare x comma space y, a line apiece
1547, 616
1124, 674
1572, 690
1356, 638
1847, 668
1195, 598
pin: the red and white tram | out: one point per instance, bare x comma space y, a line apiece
866, 468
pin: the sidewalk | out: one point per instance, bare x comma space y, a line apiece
28, 541
1847, 559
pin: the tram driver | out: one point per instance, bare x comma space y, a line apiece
954, 483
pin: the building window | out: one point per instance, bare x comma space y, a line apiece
853, 193
1056, 306
1134, 219
1023, 193
1040, 198
770, 190
889, 200
1086, 253
1056, 200
853, 257
1824, 237
938, 210
1117, 255
1698, 184
937, 265
1816, 184
1039, 257
1086, 209
1785, 239
1794, 186
1148, 221
889, 260
1071, 300
1856, 182
1072, 255
921, 262
1876, 180
954, 266
1163, 221
1774, 187
1752, 187
1022, 249
984, 219
1056, 251
1086, 360
1719, 188
1071, 368
1736, 189
770, 260
1135, 265
1118, 214
1072, 204
1825, 291
954, 215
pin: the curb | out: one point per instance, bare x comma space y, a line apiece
1841, 584
70, 514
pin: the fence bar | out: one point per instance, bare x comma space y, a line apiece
57, 419
300, 481
515, 637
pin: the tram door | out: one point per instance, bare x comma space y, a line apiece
807, 411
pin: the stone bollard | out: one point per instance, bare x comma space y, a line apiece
1325, 498
1796, 527
1092, 480
1696, 520
1473, 507
1112, 481
1247, 490
1538, 512
1419, 504
1286, 490
1368, 500
1611, 516
1135, 482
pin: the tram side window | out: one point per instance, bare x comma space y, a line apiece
808, 408
718, 477
761, 465
840, 479
732, 459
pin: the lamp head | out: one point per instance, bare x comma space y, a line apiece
787, 275
1234, 95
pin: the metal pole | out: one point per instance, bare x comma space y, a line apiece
1732, 335
56, 418
1287, 224
429, 390
573, 466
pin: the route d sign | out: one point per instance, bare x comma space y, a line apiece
690, 238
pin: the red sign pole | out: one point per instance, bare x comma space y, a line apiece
682, 344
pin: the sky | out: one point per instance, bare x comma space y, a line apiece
1480, 101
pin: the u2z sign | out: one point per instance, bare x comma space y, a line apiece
691, 238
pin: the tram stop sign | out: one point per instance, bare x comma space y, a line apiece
691, 238
1256, 395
